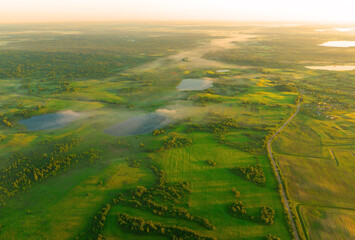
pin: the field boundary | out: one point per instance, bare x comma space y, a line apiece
303, 223
299, 207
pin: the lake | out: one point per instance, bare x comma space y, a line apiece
332, 68
194, 84
50, 121
337, 29
338, 44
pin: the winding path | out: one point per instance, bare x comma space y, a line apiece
271, 156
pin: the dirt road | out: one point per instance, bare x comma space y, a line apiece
271, 156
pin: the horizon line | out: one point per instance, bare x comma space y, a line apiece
304, 22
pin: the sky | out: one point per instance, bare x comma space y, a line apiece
335, 11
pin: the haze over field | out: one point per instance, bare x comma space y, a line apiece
228, 10
179, 120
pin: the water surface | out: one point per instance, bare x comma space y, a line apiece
338, 44
332, 68
337, 29
50, 121
137, 125
194, 84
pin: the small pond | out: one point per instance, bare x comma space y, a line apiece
50, 121
137, 125
194, 84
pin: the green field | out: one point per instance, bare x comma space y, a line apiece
76, 180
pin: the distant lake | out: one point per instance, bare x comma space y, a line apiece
332, 68
50, 121
338, 44
137, 125
194, 84
337, 29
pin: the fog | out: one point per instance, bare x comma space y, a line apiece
50, 121
228, 10
146, 123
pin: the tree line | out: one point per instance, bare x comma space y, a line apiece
139, 225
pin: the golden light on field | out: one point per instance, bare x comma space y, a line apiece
229, 10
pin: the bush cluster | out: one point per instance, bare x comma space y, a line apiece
176, 142
208, 98
158, 132
215, 126
211, 163
271, 237
267, 214
253, 174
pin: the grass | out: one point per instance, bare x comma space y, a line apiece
328, 222
311, 157
78, 192
212, 187
315, 153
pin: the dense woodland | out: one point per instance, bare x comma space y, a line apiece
87, 55
61, 66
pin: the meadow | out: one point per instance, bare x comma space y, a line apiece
202, 174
